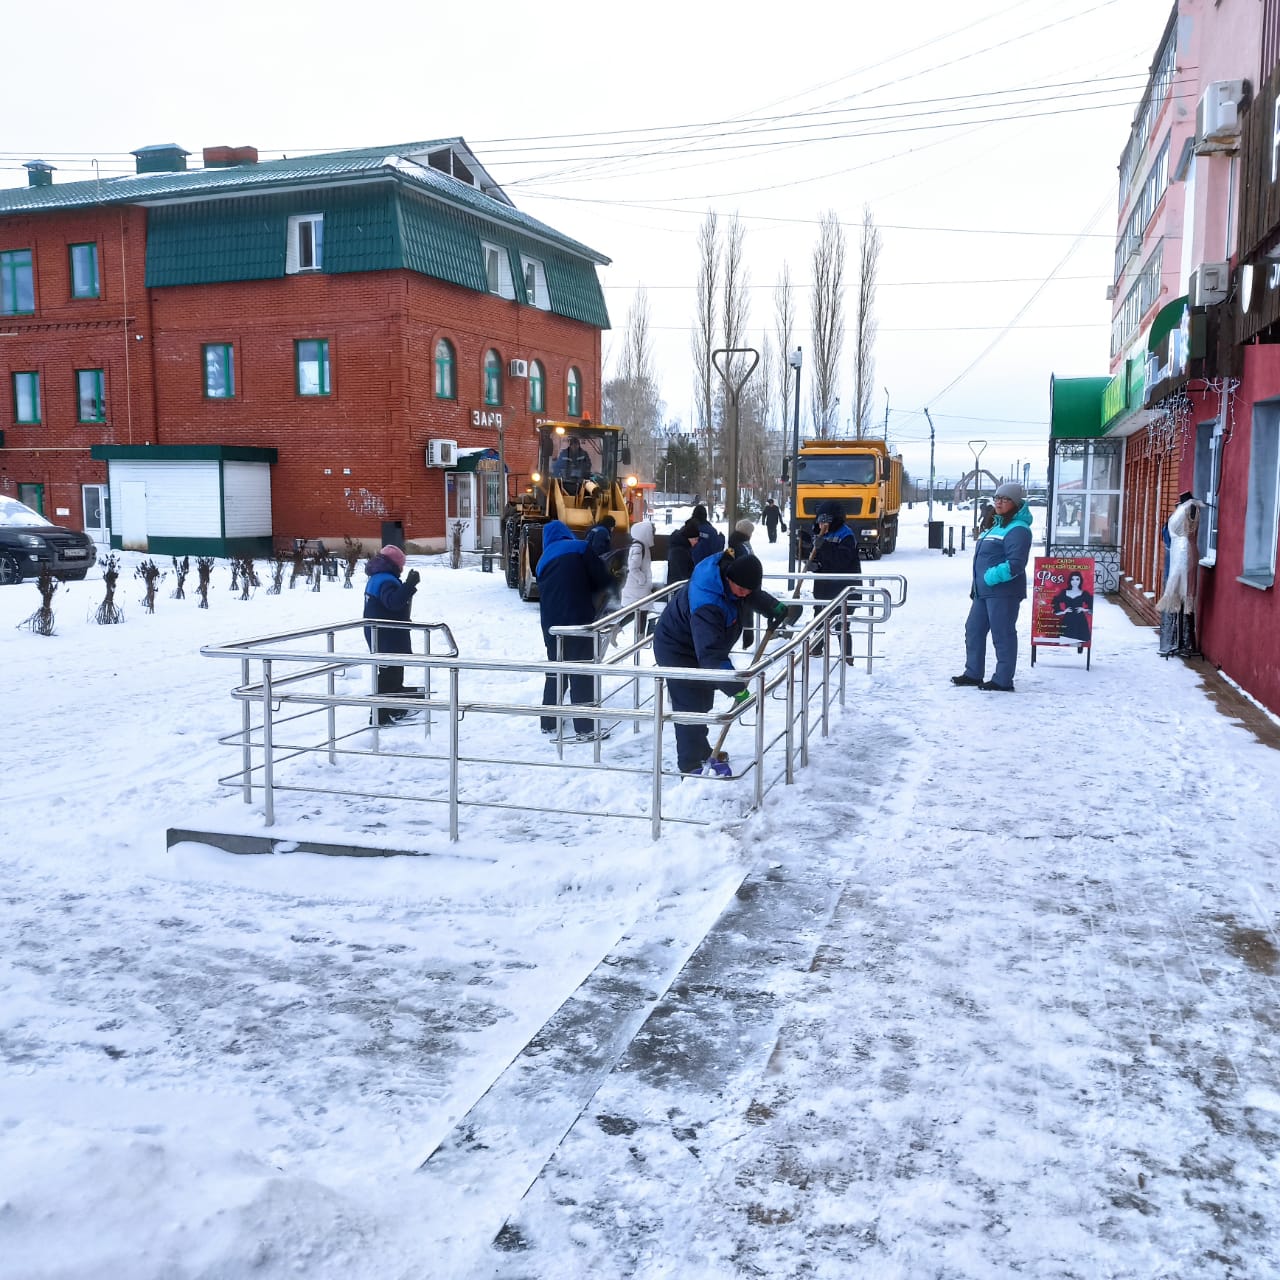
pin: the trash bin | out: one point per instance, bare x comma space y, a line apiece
393, 533
935, 535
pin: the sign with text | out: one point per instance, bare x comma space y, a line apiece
1062, 600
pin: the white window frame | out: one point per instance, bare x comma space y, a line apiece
305, 251
497, 271
1262, 506
1208, 468
535, 283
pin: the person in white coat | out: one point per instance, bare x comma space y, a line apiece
639, 579
1177, 605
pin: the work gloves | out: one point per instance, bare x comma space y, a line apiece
782, 615
412, 578
743, 695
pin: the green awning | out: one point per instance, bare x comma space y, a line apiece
1167, 319
183, 453
1075, 407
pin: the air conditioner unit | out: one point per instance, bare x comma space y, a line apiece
442, 453
1210, 283
1111, 293
518, 368
1218, 116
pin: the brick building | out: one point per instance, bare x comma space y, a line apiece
256, 351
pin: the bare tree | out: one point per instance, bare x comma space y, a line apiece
784, 325
734, 312
631, 397
759, 456
864, 341
827, 312
704, 338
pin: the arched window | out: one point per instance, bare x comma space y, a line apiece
573, 393
446, 371
537, 387
492, 377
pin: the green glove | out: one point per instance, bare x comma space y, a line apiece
743, 695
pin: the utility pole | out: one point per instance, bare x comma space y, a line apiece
886, 415
795, 360
929, 420
734, 389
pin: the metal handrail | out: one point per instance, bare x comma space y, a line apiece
282, 688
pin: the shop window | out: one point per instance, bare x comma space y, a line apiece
446, 371
1205, 487
1262, 507
492, 378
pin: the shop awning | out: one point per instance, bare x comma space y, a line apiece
1075, 407
1168, 318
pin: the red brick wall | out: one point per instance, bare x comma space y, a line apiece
67, 334
382, 328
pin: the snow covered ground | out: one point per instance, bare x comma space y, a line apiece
990, 992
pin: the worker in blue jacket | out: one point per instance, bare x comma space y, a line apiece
834, 549
998, 590
699, 628
710, 540
388, 599
569, 575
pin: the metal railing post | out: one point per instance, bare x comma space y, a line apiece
454, 736
792, 659
246, 730
759, 799
268, 773
655, 800
804, 708
331, 713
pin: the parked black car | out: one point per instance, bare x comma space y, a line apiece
28, 541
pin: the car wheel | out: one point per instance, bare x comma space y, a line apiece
9, 570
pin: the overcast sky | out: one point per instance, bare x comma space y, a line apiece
984, 137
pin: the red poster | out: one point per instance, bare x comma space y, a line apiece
1062, 601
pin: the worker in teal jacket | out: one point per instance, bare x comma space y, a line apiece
999, 588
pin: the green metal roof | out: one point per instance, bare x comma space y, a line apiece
363, 164
371, 227
1075, 407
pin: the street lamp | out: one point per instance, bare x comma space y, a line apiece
795, 360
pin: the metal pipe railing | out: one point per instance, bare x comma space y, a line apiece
288, 675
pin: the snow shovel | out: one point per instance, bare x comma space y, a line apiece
717, 763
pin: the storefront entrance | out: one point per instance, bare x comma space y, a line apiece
96, 504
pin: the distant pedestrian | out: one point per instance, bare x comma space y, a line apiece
569, 574
773, 520
387, 599
998, 589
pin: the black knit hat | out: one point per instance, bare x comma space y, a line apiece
689, 530
745, 572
